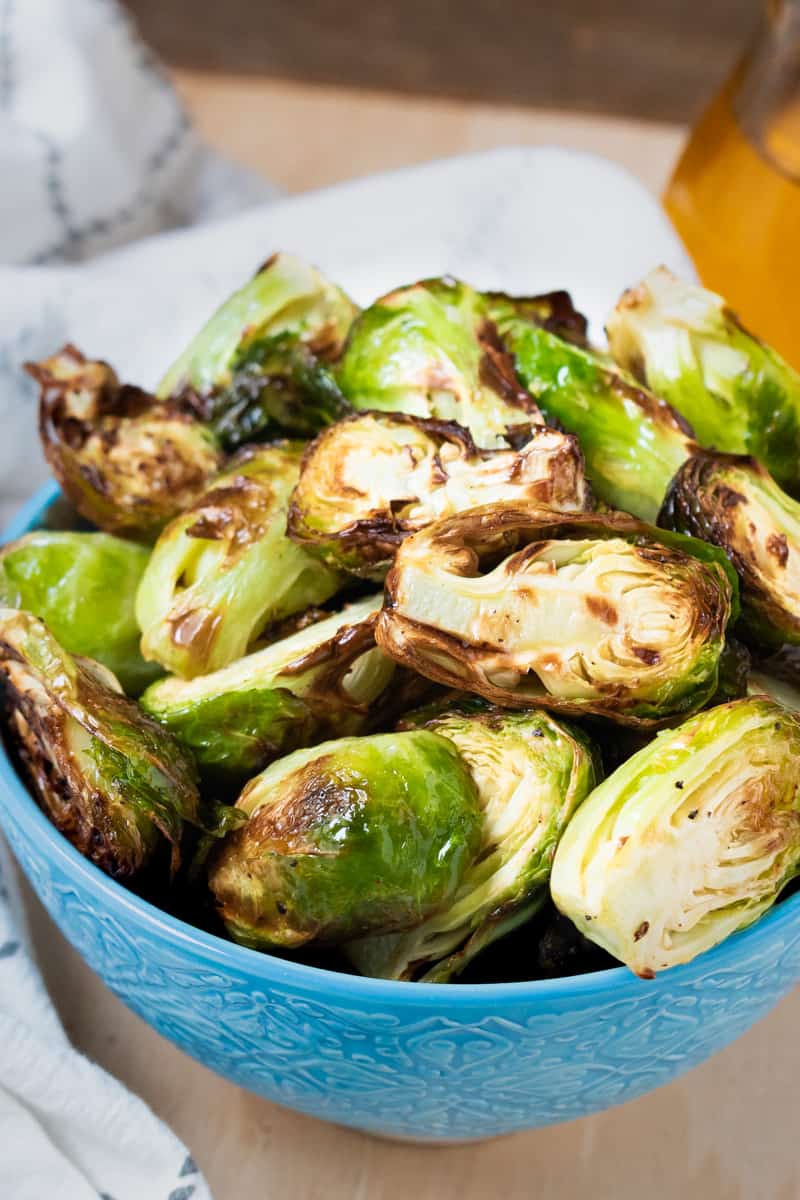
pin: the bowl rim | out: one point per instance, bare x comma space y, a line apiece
17, 801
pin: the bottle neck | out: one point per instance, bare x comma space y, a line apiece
766, 89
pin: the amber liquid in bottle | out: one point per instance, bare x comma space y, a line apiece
735, 201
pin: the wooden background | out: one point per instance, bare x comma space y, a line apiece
657, 59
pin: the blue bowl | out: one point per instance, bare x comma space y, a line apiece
419, 1061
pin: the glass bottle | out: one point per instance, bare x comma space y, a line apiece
735, 194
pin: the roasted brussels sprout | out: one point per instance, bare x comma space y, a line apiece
691, 839
370, 480
348, 838
115, 783
632, 441
223, 570
734, 503
738, 394
431, 350
83, 586
261, 364
324, 681
126, 461
583, 613
531, 773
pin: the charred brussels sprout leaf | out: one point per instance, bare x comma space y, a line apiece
739, 395
583, 613
324, 681
262, 364
734, 503
355, 836
83, 586
691, 839
110, 778
531, 774
126, 461
633, 442
225, 569
551, 311
370, 480
431, 350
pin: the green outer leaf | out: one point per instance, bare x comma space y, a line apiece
83, 586
424, 350
349, 837
633, 443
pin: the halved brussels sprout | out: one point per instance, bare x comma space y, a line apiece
633, 442
531, 773
83, 586
582, 613
115, 783
738, 393
370, 480
262, 362
222, 571
324, 681
688, 841
734, 503
431, 350
126, 461
355, 836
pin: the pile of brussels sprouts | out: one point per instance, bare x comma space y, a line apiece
398, 632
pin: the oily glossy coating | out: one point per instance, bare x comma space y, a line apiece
351, 837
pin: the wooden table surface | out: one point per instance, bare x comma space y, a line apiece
726, 1131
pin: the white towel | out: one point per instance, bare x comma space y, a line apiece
95, 150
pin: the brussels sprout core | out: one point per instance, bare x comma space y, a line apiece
127, 462
431, 350
370, 480
734, 503
225, 569
738, 393
689, 840
112, 780
348, 838
531, 774
584, 613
